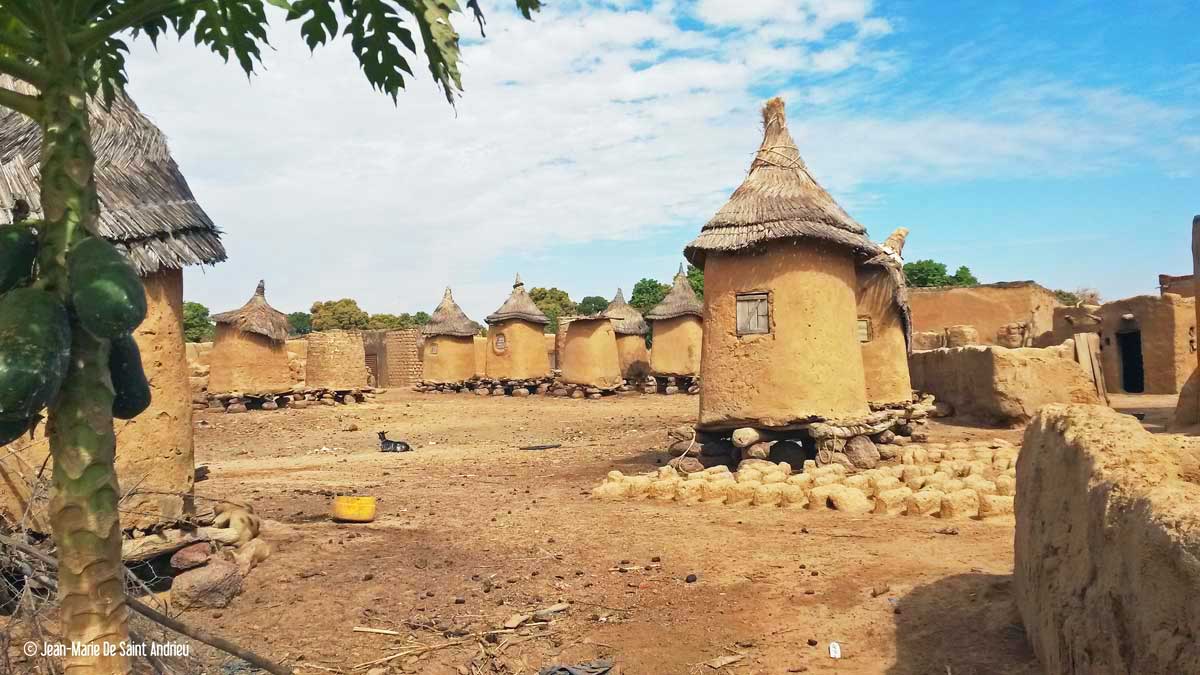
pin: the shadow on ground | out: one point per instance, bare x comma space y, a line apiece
965, 624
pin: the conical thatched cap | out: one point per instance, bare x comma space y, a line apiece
146, 207
778, 200
449, 319
680, 300
256, 316
626, 319
518, 306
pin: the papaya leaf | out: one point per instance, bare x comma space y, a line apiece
108, 75
528, 7
375, 28
440, 40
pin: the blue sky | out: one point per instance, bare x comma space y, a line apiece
1047, 141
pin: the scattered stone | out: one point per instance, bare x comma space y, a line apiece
947, 530
761, 450
812, 642
885, 436
548, 612
687, 465
920, 436
862, 453
270, 405
691, 578
350, 427
520, 392
214, 585
236, 408
595, 397
578, 393
516, 621
900, 441
879, 589
191, 557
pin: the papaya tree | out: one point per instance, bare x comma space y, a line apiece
70, 301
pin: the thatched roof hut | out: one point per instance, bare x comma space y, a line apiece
518, 306
779, 199
146, 207
256, 316
626, 319
679, 301
449, 319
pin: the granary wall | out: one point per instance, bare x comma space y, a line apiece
402, 355
885, 352
524, 354
299, 347
481, 350
634, 357
677, 346
1071, 320
1106, 533
589, 354
553, 353
560, 342
1184, 286
155, 459
336, 360
448, 358
247, 362
988, 307
1000, 386
1166, 325
809, 365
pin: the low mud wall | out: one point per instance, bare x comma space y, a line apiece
1108, 532
995, 385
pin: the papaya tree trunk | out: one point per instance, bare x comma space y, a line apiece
84, 496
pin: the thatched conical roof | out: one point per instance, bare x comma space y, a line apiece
626, 319
146, 207
449, 319
256, 316
889, 258
680, 300
779, 199
518, 306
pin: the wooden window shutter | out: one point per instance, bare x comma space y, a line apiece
753, 313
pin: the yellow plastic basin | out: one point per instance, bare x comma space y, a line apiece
354, 509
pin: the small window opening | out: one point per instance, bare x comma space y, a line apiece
753, 313
433, 348
864, 329
500, 344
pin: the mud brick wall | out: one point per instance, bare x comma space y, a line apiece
402, 349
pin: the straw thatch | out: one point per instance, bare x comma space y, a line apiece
256, 316
146, 207
680, 300
890, 259
449, 319
518, 306
779, 199
626, 319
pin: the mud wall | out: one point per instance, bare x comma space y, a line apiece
448, 358
401, 357
247, 362
524, 354
987, 307
1071, 320
1183, 286
336, 360
678, 343
589, 354
1167, 328
634, 357
481, 350
1106, 538
811, 362
998, 386
885, 353
552, 351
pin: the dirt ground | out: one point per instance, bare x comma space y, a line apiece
472, 530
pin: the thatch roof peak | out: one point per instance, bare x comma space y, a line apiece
890, 261
449, 319
256, 316
518, 306
625, 317
146, 207
680, 300
779, 199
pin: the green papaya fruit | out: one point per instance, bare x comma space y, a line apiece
128, 378
11, 431
35, 351
106, 292
18, 250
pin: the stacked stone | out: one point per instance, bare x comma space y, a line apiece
656, 384
956, 481
547, 386
239, 402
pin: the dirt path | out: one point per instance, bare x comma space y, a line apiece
473, 530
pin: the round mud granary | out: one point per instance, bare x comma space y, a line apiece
249, 351
631, 330
449, 354
678, 331
516, 348
589, 355
885, 325
336, 360
780, 312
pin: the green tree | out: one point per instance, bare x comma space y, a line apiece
197, 325
388, 322
926, 273
647, 293
592, 304
69, 50
695, 277
300, 322
554, 303
344, 314
421, 318
963, 277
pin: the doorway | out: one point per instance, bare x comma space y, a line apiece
1133, 374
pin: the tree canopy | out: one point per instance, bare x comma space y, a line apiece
397, 322
930, 273
300, 322
198, 326
342, 314
553, 302
591, 304
647, 293
695, 277
1079, 296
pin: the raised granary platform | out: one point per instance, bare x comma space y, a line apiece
239, 402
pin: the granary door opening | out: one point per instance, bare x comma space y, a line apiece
1129, 348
